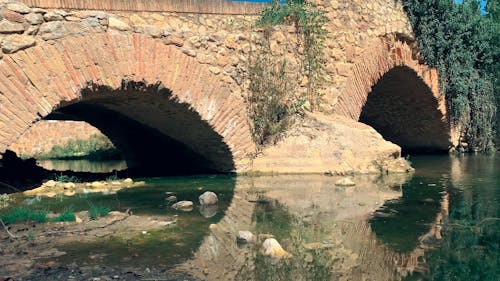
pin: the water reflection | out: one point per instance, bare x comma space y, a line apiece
83, 165
324, 226
439, 224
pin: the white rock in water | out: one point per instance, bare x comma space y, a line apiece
273, 249
50, 183
183, 206
345, 182
97, 184
128, 181
171, 198
208, 198
245, 236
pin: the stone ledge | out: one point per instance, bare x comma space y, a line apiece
180, 6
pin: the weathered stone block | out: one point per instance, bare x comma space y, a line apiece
10, 27
16, 42
118, 24
34, 19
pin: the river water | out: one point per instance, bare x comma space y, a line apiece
441, 223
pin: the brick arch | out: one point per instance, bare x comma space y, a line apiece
36, 81
382, 55
384, 58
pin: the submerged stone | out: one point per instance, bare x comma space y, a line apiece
185, 206
171, 198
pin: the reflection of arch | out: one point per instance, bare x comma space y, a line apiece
382, 66
85, 69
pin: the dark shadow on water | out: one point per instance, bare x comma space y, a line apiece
400, 223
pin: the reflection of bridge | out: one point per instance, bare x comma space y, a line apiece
342, 213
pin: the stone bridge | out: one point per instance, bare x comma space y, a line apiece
167, 78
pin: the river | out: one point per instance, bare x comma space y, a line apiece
441, 223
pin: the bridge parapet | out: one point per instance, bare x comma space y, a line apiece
180, 6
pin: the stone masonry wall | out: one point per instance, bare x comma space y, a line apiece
41, 137
222, 42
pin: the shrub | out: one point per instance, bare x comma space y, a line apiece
4, 200
270, 101
66, 215
96, 147
23, 214
66, 178
96, 212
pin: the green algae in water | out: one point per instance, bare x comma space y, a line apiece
159, 248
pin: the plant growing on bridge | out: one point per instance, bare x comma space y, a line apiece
274, 95
309, 27
271, 101
463, 45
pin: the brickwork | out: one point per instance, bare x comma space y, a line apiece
44, 135
179, 6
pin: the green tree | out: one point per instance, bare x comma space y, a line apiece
460, 43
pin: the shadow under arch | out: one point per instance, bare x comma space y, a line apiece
157, 134
402, 108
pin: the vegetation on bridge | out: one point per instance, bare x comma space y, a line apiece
463, 45
275, 96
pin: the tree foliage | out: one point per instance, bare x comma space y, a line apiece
462, 44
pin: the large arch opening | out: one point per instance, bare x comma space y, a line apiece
157, 134
402, 108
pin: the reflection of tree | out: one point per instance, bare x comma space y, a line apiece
470, 248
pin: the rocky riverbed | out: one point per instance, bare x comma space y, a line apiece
32, 249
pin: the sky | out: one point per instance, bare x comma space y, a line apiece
483, 4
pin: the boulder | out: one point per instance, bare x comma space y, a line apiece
185, 206
245, 236
208, 198
273, 249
